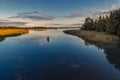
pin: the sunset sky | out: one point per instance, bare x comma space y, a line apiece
52, 13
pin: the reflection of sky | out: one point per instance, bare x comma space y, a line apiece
40, 37
23, 57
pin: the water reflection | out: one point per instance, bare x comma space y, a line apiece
112, 52
113, 56
113, 59
62, 57
4, 37
41, 37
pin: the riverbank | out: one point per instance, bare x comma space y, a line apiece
94, 36
12, 32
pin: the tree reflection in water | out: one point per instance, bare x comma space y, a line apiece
112, 52
114, 59
2, 39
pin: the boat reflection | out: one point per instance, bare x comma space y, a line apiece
48, 39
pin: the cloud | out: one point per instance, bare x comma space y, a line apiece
90, 13
35, 15
95, 12
113, 7
29, 13
64, 25
77, 14
1, 20
4, 23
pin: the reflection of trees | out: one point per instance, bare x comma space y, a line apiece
113, 59
87, 43
1, 39
113, 56
4, 37
112, 52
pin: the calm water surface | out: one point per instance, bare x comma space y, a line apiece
53, 55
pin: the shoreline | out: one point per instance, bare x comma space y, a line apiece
109, 43
95, 37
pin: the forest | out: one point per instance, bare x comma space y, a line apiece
109, 23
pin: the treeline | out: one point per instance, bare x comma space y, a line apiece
15, 27
9, 27
109, 23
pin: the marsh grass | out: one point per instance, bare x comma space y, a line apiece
94, 36
12, 32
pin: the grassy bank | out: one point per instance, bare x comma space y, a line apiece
93, 36
12, 32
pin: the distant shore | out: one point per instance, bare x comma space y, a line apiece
94, 36
7, 31
34, 28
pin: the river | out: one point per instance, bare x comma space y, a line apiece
54, 55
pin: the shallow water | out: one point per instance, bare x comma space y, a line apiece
53, 55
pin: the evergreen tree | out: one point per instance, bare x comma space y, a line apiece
89, 24
110, 24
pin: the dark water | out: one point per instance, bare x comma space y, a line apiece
53, 55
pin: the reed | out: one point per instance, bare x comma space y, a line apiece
94, 36
12, 32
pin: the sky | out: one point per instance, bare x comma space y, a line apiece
52, 13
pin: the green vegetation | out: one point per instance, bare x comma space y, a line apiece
109, 24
